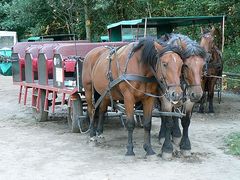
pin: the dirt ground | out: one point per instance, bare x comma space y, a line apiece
48, 150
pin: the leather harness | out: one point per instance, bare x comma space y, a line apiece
130, 77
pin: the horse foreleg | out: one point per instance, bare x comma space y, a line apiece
176, 132
185, 144
211, 94
167, 147
162, 132
129, 105
147, 115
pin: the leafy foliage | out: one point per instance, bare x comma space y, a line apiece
233, 143
231, 56
90, 18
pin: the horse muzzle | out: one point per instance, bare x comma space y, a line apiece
195, 97
175, 96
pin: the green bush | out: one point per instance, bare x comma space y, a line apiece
231, 57
233, 143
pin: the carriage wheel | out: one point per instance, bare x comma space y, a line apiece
76, 122
40, 115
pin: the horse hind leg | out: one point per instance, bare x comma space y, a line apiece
211, 95
91, 110
101, 118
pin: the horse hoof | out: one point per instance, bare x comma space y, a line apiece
100, 136
129, 159
150, 153
128, 153
161, 141
154, 157
100, 139
93, 139
186, 153
167, 156
176, 148
176, 140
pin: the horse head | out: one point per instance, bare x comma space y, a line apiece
168, 70
165, 64
193, 69
193, 56
207, 38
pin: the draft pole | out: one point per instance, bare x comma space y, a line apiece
223, 28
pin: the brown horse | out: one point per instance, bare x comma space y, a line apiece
214, 68
133, 73
193, 62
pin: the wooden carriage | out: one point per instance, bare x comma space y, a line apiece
53, 68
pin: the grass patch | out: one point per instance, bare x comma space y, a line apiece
233, 143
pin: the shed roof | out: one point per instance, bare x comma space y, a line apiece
173, 21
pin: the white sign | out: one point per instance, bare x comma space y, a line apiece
59, 75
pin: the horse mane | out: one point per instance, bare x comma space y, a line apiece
192, 47
149, 53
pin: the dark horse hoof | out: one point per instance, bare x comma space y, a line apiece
149, 150
130, 153
186, 153
167, 156
211, 111
130, 150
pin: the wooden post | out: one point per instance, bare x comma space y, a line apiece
145, 28
223, 38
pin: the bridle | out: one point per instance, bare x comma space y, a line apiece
209, 63
164, 86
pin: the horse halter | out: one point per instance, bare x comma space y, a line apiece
162, 81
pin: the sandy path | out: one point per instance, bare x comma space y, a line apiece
31, 150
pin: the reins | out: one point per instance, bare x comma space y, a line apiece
134, 77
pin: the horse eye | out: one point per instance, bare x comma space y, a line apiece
165, 64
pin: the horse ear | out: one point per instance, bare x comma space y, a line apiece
180, 44
213, 31
158, 47
202, 31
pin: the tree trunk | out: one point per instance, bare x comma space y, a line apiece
87, 20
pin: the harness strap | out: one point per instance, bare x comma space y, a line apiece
162, 87
126, 78
113, 50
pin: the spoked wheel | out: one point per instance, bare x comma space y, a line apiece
219, 90
76, 122
40, 115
